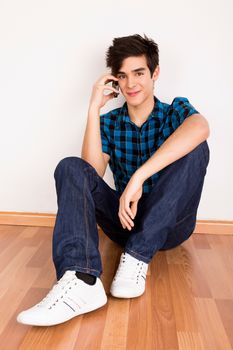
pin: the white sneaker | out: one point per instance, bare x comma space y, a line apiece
130, 278
68, 298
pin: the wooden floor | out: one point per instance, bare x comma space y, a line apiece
188, 302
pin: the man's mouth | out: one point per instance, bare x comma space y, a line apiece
132, 94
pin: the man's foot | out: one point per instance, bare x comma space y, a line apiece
68, 298
130, 278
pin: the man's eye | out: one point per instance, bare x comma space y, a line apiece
121, 76
139, 73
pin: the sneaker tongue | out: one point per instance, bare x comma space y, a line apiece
68, 274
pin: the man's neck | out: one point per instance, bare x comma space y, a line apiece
139, 114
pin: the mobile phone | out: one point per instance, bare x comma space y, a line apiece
115, 85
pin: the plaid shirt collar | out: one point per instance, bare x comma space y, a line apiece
155, 113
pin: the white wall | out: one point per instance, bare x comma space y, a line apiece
51, 53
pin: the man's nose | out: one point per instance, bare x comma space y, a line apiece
131, 82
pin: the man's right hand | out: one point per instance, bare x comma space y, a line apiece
98, 99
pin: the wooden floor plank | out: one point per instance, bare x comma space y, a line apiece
210, 325
162, 321
225, 309
117, 314
220, 279
190, 340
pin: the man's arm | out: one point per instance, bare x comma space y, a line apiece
92, 143
193, 131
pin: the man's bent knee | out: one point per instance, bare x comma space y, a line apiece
69, 162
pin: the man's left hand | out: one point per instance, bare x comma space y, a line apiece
131, 194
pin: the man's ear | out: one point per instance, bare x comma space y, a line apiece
156, 73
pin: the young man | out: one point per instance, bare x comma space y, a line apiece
158, 155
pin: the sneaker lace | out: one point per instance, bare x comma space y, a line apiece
57, 290
129, 270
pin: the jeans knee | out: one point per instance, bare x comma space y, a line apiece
199, 155
67, 163
201, 149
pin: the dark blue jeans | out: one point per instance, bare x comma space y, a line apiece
165, 217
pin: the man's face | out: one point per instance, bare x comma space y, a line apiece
135, 80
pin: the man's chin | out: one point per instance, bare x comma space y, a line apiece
135, 102
132, 99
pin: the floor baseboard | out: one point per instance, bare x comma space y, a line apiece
48, 220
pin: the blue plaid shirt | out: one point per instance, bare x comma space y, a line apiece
129, 146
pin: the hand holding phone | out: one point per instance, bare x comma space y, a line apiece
98, 97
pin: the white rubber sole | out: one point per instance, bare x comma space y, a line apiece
89, 308
125, 294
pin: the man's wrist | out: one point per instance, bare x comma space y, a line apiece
140, 175
94, 108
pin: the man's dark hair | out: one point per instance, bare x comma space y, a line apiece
132, 45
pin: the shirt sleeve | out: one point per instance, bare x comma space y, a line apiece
103, 132
182, 109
